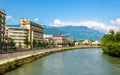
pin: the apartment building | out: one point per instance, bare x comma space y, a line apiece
87, 42
35, 30
59, 39
48, 38
2, 24
26, 29
17, 34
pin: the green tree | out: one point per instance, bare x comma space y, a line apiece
112, 31
111, 43
71, 43
117, 36
11, 42
39, 44
34, 43
26, 41
0, 41
20, 46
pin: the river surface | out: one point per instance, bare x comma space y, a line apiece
76, 62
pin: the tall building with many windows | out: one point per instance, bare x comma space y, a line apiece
2, 24
17, 34
35, 30
31, 30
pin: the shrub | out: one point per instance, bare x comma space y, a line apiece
111, 44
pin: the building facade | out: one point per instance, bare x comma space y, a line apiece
59, 39
17, 34
2, 25
31, 30
35, 30
87, 42
48, 38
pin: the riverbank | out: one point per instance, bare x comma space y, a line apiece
111, 43
13, 60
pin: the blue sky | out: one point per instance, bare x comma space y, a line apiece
97, 14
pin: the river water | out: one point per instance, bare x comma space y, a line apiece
76, 62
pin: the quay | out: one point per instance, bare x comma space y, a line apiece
10, 61
8, 57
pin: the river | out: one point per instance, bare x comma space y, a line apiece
77, 62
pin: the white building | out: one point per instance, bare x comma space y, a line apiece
48, 38
17, 34
96, 43
31, 30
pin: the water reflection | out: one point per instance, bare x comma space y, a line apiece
77, 62
114, 64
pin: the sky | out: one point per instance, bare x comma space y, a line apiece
96, 14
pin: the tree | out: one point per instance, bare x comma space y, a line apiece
111, 43
20, 46
71, 44
117, 36
112, 31
34, 43
26, 41
39, 44
11, 42
0, 41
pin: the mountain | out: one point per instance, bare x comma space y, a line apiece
53, 30
75, 32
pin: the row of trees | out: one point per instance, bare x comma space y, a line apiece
67, 44
111, 43
7, 45
35, 43
10, 44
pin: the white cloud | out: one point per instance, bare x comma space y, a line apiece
57, 22
115, 22
89, 24
36, 19
112, 22
9, 17
118, 21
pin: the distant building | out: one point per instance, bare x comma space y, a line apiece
86, 42
48, 38
58, 39
69, 40
96, 43
2, 24
78, 43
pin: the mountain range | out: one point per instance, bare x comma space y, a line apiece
75, 32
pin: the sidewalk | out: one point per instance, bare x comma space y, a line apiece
4, 58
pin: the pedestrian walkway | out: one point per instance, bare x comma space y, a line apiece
4, 58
